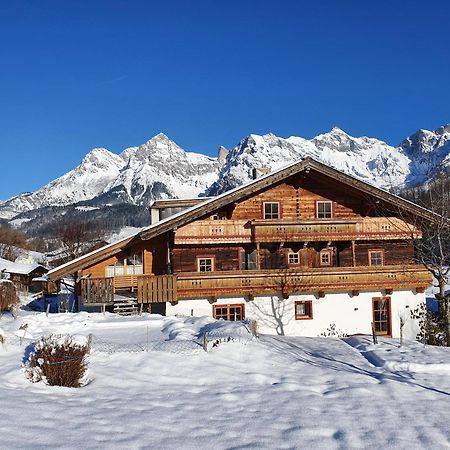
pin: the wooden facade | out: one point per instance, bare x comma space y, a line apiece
324, 230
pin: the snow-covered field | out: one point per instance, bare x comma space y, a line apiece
272, 392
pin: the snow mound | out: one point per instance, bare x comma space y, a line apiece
410, 357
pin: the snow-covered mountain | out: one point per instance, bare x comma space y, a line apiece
162, 169
157, 169
427, 151
366, 158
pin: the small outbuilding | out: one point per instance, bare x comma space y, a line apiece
22, 274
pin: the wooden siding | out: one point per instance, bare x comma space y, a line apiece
298, 196
184, 259
395, 253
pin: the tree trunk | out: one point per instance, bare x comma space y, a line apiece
444, 306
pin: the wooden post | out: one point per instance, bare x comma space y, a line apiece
374, 335
205, 341
353, 254
258, 258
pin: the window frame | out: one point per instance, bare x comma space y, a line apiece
308, 308
228, 306
120, 267
331, 208
290, 263
373, 251
328, 252
271, 203
213, 263
245, 259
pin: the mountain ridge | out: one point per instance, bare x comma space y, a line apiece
160, 168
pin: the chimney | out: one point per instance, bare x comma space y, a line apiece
259, 172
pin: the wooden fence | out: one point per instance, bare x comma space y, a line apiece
157, 289
97, 290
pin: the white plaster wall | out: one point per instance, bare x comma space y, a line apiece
351, 315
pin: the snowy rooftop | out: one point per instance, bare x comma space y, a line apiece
20, 268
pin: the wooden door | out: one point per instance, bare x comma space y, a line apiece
381, 307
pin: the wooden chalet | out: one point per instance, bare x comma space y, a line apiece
299, 250
22, 274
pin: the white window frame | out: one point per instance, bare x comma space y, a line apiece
271, 213
322, 202
205, 258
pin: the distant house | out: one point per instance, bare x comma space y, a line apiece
22, 274
300, 250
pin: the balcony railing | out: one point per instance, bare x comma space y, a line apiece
216, 284
211, 231
171, 288
240, 231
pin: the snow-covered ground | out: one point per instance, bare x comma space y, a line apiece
271, 392
409, 357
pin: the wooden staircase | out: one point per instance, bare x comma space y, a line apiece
126, 307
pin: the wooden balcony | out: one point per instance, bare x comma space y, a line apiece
265, 231
148, 288
215, 231
251, 283
171, 288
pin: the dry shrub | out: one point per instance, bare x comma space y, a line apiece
8, 295
58, 361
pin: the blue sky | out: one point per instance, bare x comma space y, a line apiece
82, 74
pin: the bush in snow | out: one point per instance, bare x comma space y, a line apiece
432, 325
8, 295
58, 361
332, 331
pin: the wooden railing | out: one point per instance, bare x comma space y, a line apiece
285, 230
157, 289
171, 288
207, 231
126, 282
97, 291
379, 228
216, 284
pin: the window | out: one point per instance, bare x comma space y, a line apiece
376, 257
229, 312
326, 257
131, 265
249, 260
293, 258
324, 210
219, 216
381, 308
205, 264
116, 270
271, 210
134, 264
303, 310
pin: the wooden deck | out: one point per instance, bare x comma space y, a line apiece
241, 231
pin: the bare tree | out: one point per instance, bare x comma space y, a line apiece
432, 248
286, 282
10, 240
76, 239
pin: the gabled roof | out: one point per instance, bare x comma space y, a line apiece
212, 204
19, 268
